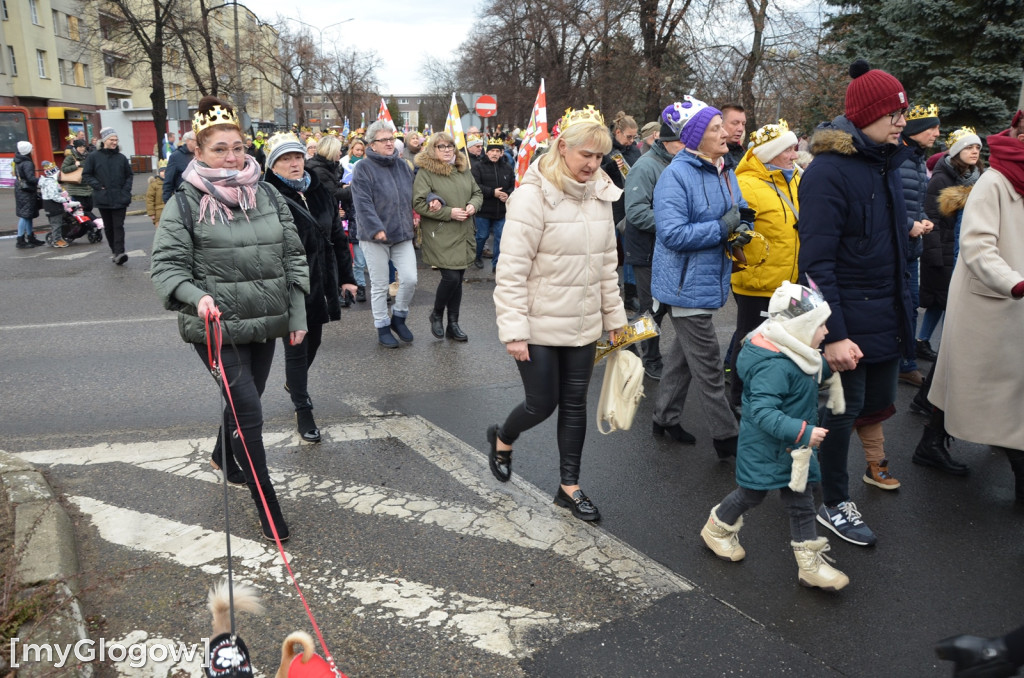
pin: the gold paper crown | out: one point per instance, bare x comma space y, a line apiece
495, 141
919, 112
957, 135
769, 132
581, 115
218, 116
306, 129
161, 164
71, 137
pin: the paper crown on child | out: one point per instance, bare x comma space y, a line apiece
960, 139
49, 168
801, 310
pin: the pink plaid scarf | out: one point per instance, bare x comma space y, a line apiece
224, 188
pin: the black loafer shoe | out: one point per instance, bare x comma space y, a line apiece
500, 460
580, 505
677, 432
436, 326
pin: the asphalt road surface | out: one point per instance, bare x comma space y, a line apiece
415, 561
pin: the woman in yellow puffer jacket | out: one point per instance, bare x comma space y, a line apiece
768, 178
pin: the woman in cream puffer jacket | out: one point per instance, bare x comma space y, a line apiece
557, 292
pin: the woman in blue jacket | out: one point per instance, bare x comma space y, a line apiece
697, 208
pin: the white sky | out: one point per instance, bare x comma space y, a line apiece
401, 32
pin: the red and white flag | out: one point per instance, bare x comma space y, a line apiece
384, 113
536, 132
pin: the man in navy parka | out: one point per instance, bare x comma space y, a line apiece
853, 245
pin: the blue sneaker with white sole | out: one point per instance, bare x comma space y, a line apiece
845, 521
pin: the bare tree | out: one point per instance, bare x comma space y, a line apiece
350, 81
145, 28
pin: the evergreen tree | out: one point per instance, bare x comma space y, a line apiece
967, 56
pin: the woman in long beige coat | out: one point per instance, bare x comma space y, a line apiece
557, 292
978, 385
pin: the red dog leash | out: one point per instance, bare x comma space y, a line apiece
314, 669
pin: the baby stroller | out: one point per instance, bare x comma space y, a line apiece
78, 223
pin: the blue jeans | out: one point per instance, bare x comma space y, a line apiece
869, 388
24, 226
909, 365
929, 322
484, 227
358, 265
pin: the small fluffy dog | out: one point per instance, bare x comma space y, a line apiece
230, 658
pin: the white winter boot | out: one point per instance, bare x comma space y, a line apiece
722, 538
815, 570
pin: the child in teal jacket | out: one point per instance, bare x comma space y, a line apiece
781, 367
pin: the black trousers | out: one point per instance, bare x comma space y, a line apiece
297, 361
748, 317
113, 228
246, 368
449, 293
555, 376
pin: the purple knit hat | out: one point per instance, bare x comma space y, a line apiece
695, 115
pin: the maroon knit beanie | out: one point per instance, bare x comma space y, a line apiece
871, 94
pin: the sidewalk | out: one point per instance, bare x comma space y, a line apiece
9, 220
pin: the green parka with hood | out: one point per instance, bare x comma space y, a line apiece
446, 243
254, 267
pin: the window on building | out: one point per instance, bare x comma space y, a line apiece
113, 66
33, 11
327, 114
55, 15
2, 63
73, 28
3, 6
403, 101
84, 68
308, 99
41, 62
79, 74
108, 26
60, 70
13, 60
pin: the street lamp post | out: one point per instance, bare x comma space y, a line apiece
320, 31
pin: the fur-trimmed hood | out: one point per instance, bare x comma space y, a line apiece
843, 138
953, 198
428, 162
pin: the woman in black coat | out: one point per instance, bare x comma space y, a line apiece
951, 183
26, 195
315, 210
110, 175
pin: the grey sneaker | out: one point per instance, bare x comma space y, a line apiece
845, 521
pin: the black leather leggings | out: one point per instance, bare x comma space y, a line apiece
449, 293
555, 376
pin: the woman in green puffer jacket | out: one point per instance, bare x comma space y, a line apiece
235, 253
446, 197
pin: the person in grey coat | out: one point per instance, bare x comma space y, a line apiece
638, 239
382, 196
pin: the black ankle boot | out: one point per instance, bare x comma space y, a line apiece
361, 293
933, 450
454, 331
437, 325
307, 426
1016, 458
499, 460
677, 432
726, 447
234, 472
976, 656
275, 513
22, 244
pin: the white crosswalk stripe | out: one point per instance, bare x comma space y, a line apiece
516, 514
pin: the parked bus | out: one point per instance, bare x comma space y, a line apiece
46, 127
